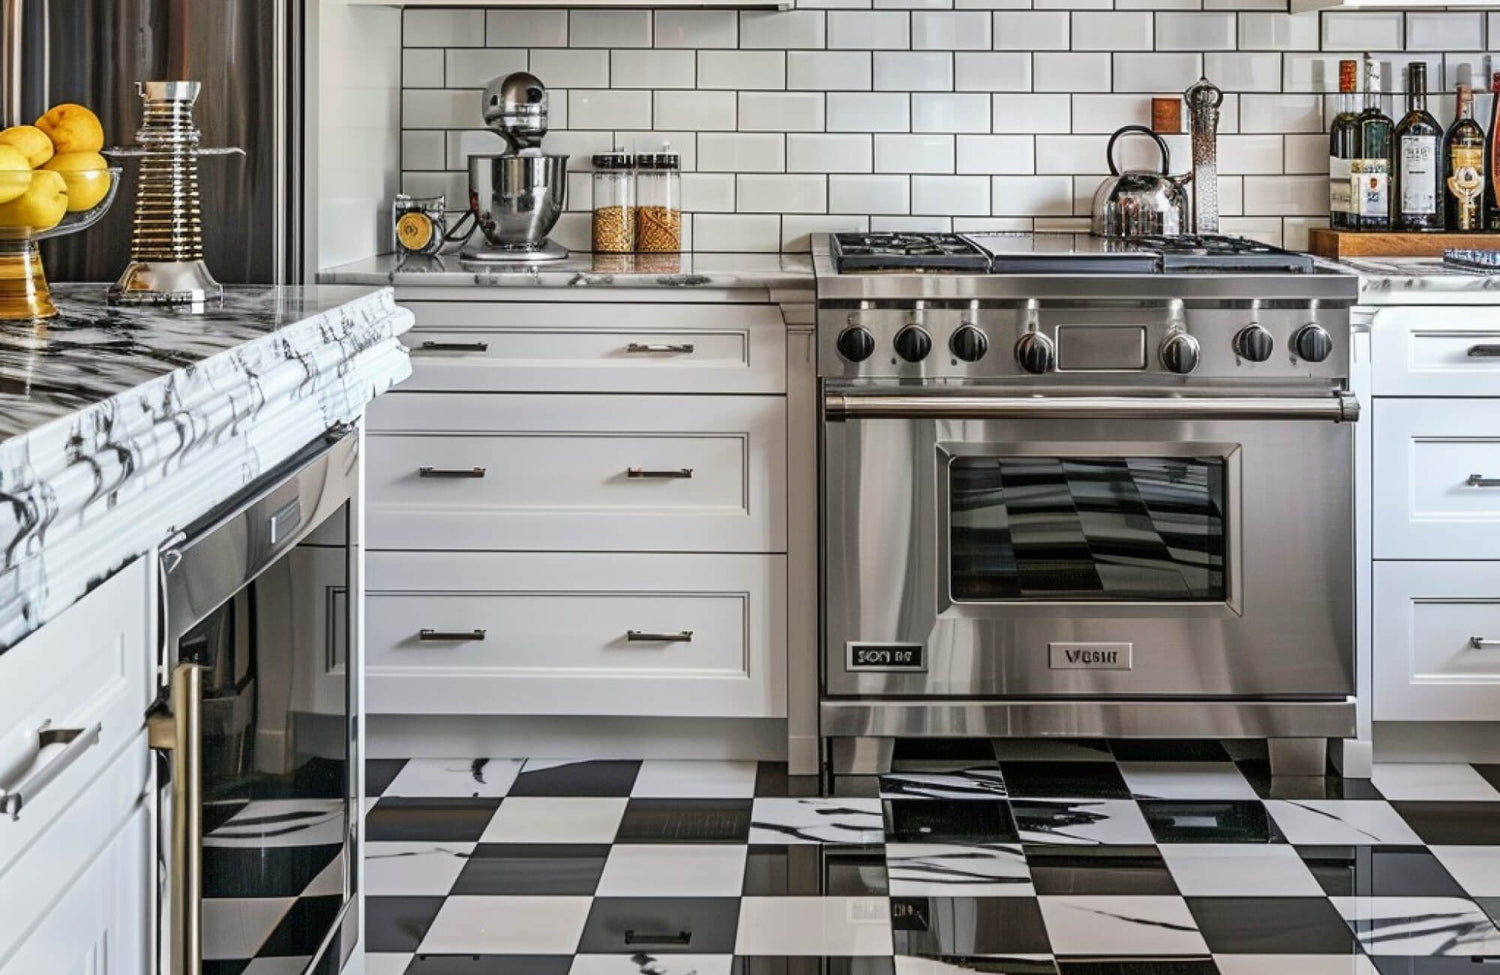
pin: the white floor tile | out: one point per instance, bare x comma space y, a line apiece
782, 821
507, 925
673, 870
658, 965
1121, 925
414, 869
1438, 783
454, 777
695, 779
1083, 822
1362, 822
914, 965
1239, 870
1186, 780
385, 963
328, 882
1419, 925
1476, 868
947, 870
237, 927
1294, 965
964, 784
548, 819
847, 926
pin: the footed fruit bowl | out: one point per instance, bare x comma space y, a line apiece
37, 206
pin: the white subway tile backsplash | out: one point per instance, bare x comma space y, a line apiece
781, 111
781, 193
439, 108
1373, 30
724, 152
1031, 196
1241, 154
950, 195
1156, 72
1072, 153
685, 144
869, 194
966, 112
696, 111
950, 30
1106, 113
696, 28
422, 67
753, 233
1281, 113
829, 153
1057, 71
913, 153
652, 69
884, 111
913, 70
828, 70
424, 149
913, 225
1031, 113
757, 70
1231, 196
477, 66
1254, 71
1306, 154
797, 229
885, 30
609, 28
1294, 231
604, 108
442, 28
707, 192
995, 154
1287, 196
782, 28
991, 72
582, 68
1454, 31
525, 28
1278, 32
1267, 230
1098, 30
1196, 31
1031, 30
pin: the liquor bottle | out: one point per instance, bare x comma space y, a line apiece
1343, 135
1463, 167
1492, 159
1370, 171
1417, 195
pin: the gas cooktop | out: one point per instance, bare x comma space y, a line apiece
1059, 253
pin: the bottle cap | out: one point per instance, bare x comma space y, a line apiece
1495, 81
1348, 75
614, 159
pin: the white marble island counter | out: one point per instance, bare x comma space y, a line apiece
1422, 281
118, 425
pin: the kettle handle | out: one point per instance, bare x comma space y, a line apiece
1166, 154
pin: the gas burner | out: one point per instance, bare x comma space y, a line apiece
907, 252
1220, 253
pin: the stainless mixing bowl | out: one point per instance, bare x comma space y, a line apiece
517, 198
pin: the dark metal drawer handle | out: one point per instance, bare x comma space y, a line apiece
1480, 643
670, 472
451, 635
1484, 352
450, 472
1479, 480
647, 347
456, 346
644, 636
680, 938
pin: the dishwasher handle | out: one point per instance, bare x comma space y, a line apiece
176, 729
1342, 407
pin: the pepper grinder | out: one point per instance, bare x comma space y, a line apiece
1203, 101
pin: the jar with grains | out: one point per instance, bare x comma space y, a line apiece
614, 202
658, 201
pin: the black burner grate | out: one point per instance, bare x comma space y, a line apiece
910, 251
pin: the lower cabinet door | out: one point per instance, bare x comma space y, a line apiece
1436, 641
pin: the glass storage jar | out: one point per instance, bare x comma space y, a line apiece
614, 202
658, 209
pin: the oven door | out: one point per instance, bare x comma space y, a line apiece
1112, 547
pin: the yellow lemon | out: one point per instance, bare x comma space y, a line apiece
15, 173
72, 128
41, 207
86, 175
32, 142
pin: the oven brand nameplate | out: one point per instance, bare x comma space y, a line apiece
885, 657
1089, 656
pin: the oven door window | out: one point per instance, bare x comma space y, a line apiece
1087, 529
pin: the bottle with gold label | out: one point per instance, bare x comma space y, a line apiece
418, 224
1463, 167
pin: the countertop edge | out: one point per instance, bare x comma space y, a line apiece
793, 271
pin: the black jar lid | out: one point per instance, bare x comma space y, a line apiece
664, 158
614, 159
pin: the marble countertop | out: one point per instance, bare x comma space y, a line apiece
1421, 280
119, 425
583, 270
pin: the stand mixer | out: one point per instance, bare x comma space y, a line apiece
516, 196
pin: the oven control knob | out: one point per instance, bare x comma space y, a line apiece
913, 343
968, 343
1036, 353
856, 343
1312, 343
1254, 343
1179, 353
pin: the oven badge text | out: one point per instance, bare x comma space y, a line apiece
1089, 656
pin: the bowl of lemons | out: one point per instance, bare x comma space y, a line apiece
53, 181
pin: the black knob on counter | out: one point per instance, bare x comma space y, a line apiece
968, 343
1254, 343
1036, 353
913, 343
856, 343
1179, 353
1312, 343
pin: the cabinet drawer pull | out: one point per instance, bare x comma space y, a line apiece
684, 348
1479, 480
76, 740
1480, 643
450, 472
1484, 352
633, 937
454, 636
639, 472
455, 346
645, 636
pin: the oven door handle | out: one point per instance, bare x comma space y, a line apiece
177, 729
1341, 407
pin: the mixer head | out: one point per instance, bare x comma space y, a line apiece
515, 106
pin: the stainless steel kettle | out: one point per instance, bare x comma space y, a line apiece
1138, 202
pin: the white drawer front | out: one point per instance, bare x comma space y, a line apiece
552, 634
1427, 617
594, 473
1436, 351
90, 665
1436, 479
584, 347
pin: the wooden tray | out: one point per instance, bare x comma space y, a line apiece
1349, 243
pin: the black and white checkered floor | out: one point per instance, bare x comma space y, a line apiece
1009, 857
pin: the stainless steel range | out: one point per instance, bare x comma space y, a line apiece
1075, 486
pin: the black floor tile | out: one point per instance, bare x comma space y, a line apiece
1139, 966
532, 869
686, 821
490, 965
809, 870
301, 930
1258, 774
1002, 965
1453, 823
224, 966
968, 926
1272, 926
398, 923
1073, 821
812, 965
1168, 750
1052, 749
855, 786
1407, 965
597, 778
773, 782
969, 821
1226, 821
1379, 871
943, 752
1491, 907
1065, 780
661, 925
1099, 870
983, 782
218, 812
415, 819
380, 773
1490, 773
253, 871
